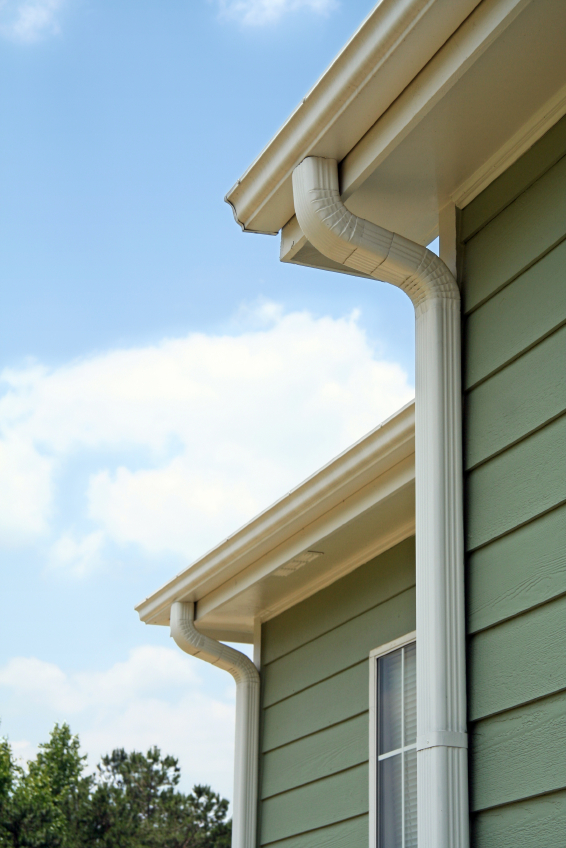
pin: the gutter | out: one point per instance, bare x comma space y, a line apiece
377, 453
442, 771
247, 680
389, 49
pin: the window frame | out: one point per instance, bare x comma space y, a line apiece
374, 655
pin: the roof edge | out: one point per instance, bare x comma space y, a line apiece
371, 456
406, 32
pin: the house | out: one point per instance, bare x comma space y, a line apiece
407, 603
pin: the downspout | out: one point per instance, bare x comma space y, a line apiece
246, 675
442, 773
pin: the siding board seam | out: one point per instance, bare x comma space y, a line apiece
316, 683
514, 277
516, 442
333, 629
316, 780
516, 527
314, 829
520, 800
314, 732
515, 357
518, 614
515, 197
526, 703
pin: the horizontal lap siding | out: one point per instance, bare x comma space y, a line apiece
315, 699
514, 375
535, 823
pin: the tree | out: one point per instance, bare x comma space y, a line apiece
43, 805
136, 802
132, 801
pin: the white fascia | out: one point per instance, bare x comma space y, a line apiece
246, 753
441, 656
327, 499
389, 49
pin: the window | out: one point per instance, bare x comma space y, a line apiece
393, 737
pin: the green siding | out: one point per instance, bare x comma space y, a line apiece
315, 699
367, 586
497, 415
338, 649
313, 805
350, 832
519, 753
517, 485
516, 179
536, 823
517, 238
521, 659
515, 319
318, 755
518, 571
317, 707
514, 367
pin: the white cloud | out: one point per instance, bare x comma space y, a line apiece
155, 697
218, 427
27, 491
260, 12
29, 20
78, 555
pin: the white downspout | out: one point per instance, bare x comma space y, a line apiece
246, 675
442, 784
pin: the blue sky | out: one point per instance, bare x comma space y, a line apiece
164, 377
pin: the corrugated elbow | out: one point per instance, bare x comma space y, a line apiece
189, 639
356, 243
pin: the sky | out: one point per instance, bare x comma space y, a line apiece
163, 378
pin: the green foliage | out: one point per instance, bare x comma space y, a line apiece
132, 801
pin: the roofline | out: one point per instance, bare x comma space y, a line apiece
387, 51
370, 457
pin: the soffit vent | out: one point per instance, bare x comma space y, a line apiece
296, 563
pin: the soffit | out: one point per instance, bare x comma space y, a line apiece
458, 126
389, 49
494, 85
355, 507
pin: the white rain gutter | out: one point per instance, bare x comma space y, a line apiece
442, 772
246, 752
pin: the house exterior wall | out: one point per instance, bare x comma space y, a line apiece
315, 696
513, 261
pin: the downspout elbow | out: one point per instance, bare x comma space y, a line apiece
246, 675
359, 244
442, 782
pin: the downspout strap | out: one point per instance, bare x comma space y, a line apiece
442, 739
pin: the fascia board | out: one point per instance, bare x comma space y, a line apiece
390, 48
400, 477
460, 52
377, 454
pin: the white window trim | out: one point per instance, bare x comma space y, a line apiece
387, 648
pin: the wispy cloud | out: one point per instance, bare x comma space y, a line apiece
261, 12
80, 555
182, 442
157, 696
29, 20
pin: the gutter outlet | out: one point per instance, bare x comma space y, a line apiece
246, 752
442, 772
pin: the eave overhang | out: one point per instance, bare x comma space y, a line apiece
424, 107
354, 508
388, 50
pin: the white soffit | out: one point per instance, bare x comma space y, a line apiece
351, 510
393, 44
492, 86
496, 86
